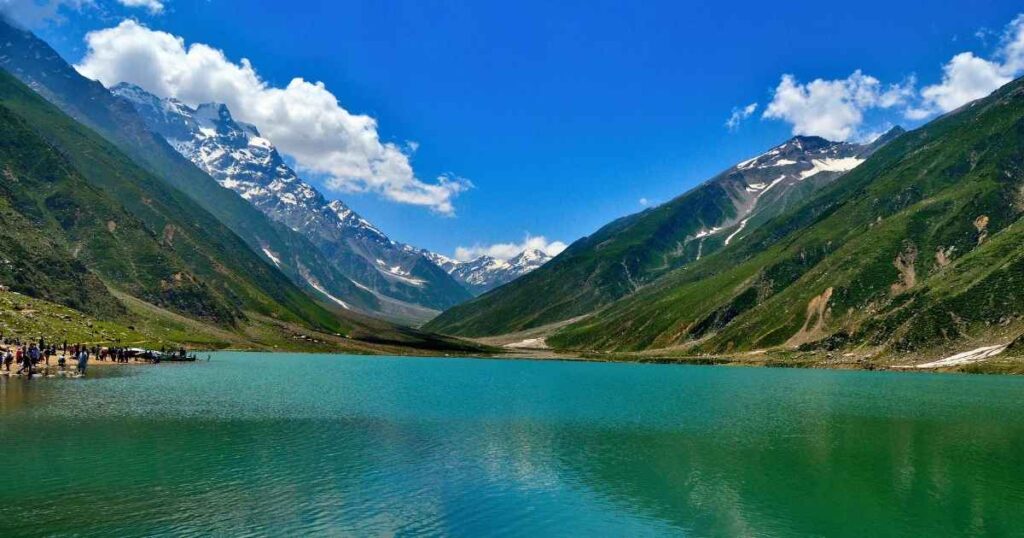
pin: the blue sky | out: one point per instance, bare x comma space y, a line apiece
565, 115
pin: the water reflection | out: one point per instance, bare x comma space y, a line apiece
369, 446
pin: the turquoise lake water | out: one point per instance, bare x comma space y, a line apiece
286, 445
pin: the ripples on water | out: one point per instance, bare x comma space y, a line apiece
305, 444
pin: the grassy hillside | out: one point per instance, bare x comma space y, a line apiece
148, 326
44, 196
634, 251
918, 247
38, 264
596, 270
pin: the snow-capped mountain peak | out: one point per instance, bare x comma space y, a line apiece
485, 273
236, 155
762, 184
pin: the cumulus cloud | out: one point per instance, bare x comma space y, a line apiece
645, 202
506, 251
967, 77
35, 13
964, 79
304, 119
740, 114
833, 109
1011, 52
153, 6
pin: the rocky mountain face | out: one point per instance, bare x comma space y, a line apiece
485, 273
407, 283
634, 251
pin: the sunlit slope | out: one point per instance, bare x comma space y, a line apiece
918, 246
634, 251
57, 227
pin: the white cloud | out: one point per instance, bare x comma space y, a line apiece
35, 13
153, 6
506, 251
1011, 51
740, 114
645, 202
304, 119
833, 109
967, 77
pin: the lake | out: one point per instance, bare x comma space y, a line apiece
291, 444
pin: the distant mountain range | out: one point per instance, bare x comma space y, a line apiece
406, 282
633, 251
485, 273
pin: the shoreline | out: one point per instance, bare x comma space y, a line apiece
993, 364
1011, 365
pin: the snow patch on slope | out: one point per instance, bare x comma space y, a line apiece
327, 294
273, 258
831, 165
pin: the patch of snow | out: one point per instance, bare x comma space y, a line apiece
419, 283
770, 185
967, 357
358, 285
831, 165
273, 258
320, 288
529, 343
743, 224
747, 164
704, 233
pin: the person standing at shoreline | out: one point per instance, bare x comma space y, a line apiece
83, 360
28, 360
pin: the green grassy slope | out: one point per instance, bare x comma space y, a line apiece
595, 270
634, 251
29, 318
46, 196
918, 246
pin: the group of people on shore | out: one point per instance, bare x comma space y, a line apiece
32, 356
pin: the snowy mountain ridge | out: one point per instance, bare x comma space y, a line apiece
485, 273
239, 158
